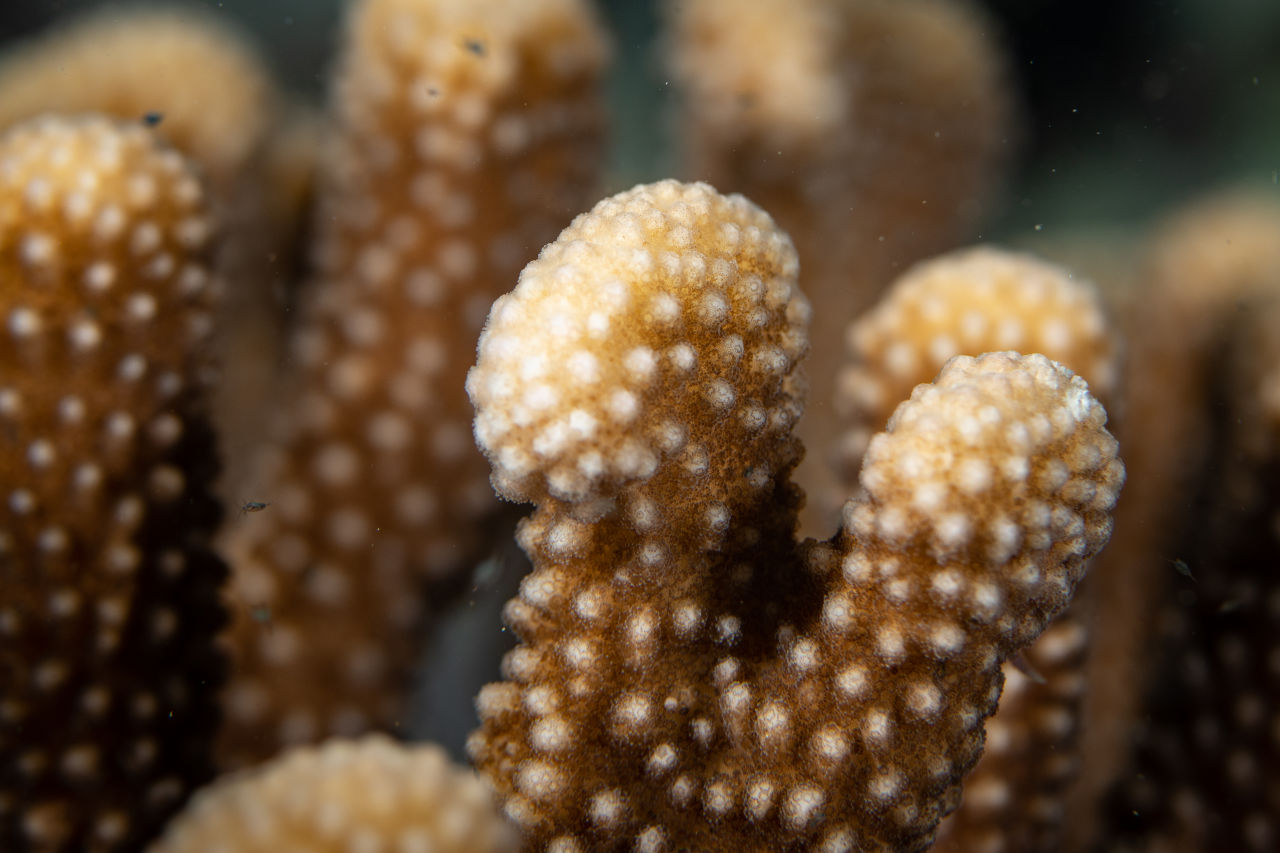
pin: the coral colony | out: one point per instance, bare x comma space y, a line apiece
743, 627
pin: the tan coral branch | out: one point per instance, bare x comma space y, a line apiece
690, 675
195, 77
467, 133
108, 588
969, 302
1201, 264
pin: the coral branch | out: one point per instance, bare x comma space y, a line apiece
370, 794
691, 676
201, 85
108, 601
1204, 776
1202, 265
469, 131
970, 302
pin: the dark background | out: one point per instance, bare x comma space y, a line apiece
1129, 107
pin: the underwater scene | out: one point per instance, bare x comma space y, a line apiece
640, 426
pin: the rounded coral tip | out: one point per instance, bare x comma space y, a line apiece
667, 310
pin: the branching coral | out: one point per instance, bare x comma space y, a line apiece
872, 131
691, 676
469, 131
365, 795
1013, 799
970, 302
108, 592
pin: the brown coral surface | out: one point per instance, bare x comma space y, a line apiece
108, 591
468, 132
691, 676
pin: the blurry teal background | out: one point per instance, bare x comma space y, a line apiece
1129, 106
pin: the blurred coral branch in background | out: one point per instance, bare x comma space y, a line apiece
466, 133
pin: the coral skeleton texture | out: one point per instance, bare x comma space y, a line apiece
369, 794
691, 676
468, 132
108, 588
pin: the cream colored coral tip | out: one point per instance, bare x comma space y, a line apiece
366, 794
998, 453
666, 306
67, 167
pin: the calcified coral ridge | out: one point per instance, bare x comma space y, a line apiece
467, 133
108, 589
690, 675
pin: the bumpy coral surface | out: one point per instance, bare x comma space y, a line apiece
898, 106
872, 131
108, 605
469, 132
365, 795
969, 302
207, 91
1013, 799
690, 675
204, 88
